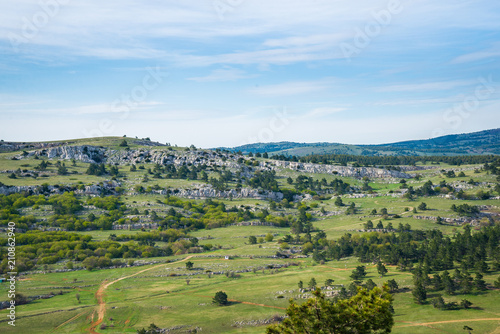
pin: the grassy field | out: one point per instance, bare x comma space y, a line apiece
167, 300
169, 295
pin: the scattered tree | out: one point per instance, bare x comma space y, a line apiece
368, 225
381, 269
422, 206
220, 299
312, 283
359, 273
419, 293
465, 304
189, 265
152, 329
392, 285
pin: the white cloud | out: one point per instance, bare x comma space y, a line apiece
292, 88
225, 74
427, 86
89, 36
320, 39
281, 31
324, 111
103, 108
416, 102
493, 52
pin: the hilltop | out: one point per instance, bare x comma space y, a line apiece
476, 143
109, 142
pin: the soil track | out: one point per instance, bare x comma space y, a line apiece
413, 324
101, 308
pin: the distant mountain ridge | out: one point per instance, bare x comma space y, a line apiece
475, 143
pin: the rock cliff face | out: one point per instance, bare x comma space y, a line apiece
35, 190
14, 146
81, 153
209, 192
340, 170
94, 189
92, 154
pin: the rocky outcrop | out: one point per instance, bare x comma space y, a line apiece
93, 154
357, 172
209, 192
81, 153
94, 189
15, 146
34, 190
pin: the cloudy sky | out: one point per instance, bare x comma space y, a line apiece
231, 72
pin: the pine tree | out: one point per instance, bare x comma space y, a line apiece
393, 285
382, 270
448, 283
497, 283
439, 303
370, 284
437, 282
466, 283
479, 282
312, 283
419, 293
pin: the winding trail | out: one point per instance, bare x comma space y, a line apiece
413, 324
101, 309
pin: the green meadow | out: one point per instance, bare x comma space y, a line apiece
258, 281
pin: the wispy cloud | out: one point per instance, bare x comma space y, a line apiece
427, 86
225, 74
320, 112
304, 40
292, 88
91, 52
493, 52
103, 108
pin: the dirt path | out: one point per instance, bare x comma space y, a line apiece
101, 309
413, 324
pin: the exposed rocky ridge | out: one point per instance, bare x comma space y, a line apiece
94, 189
93, 154
340, 170
16, 146
209, 192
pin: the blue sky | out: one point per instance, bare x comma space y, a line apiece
231, 72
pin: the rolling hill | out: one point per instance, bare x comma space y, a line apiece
476, 143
